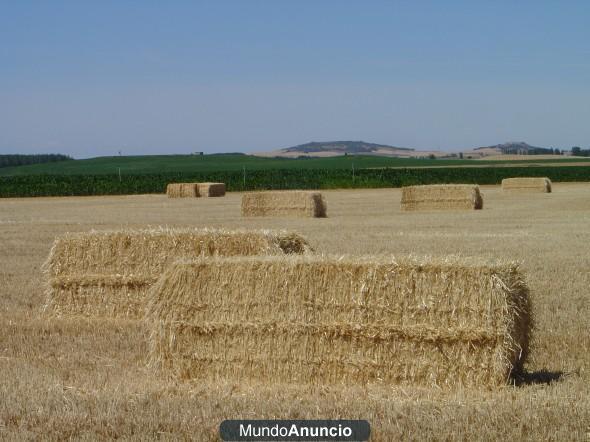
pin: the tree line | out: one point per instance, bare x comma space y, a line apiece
22, 160
579, 152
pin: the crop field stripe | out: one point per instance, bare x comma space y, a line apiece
154, 164
277, 179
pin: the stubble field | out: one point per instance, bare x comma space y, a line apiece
84, 379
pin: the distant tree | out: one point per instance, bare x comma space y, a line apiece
461, 155
431, 157
557, 151
576, 150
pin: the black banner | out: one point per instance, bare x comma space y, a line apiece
294, 430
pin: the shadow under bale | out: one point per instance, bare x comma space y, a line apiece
546, 377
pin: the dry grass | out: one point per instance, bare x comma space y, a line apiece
441, 197
87, 379
107, 273
288, 203
325, 320
528, 184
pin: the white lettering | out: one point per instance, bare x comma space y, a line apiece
247, 431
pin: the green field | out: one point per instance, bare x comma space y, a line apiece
150, 164
150, 174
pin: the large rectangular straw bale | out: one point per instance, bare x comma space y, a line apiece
441, 197
527, 184
107, 273
294, 203
182, 190
318, 320
211, 189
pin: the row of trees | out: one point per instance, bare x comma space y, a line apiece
21, 160
578, 151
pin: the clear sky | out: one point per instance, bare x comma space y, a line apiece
90, 78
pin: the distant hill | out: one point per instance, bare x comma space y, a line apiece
339, 148
515, 148
342, 146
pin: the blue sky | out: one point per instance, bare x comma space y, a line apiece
89, 78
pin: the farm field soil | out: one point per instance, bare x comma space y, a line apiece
476, 164
509, 157
85, 379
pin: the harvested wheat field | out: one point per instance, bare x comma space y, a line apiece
88, 379
340, 320
527, 184
441, 197
107, 273
284, 203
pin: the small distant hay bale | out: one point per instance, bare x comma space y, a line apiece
194, 190
293, 203
211, 189
182, 190
333, 320
442, 197
527, 184
107, 273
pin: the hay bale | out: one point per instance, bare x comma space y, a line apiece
107, 273
528, 184
173, 190
442, 197
294, 203
319, 320
182, 190
211, 189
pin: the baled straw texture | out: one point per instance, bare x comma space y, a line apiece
294, 203
318, 320
527, 184
211, 189
182, 190
441, 197
107, 273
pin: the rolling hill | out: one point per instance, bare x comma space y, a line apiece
338, 148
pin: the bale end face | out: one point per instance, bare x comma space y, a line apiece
210, 190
